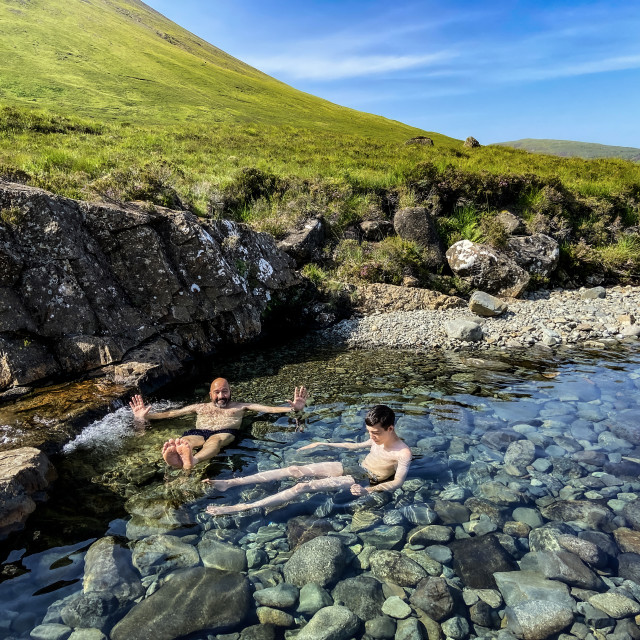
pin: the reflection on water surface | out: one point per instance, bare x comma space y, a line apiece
460, 414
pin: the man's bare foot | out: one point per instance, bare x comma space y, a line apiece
184, 451
220, 485
221, 511
171, 455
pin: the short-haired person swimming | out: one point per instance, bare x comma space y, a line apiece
217, 423
386, 465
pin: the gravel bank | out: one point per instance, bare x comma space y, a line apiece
550, 318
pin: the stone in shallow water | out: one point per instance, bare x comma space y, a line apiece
381, 628
615, 605
321, 560
587, 514
528, 516
219, 555
331, 623
429, 533
383, 536
537, 620
409, 629
313, 598
159, 554
563, 566
396, 608
51, 632
431, 566
433, 596
395, 567
524, 586
275, 617
475, 560
362, 595
456, 627
627, 540
194, 599
451, 512
587, 551
281, 596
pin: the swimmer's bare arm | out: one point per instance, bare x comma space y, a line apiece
141, 411
300, 396
339, 445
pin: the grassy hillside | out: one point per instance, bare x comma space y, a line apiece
107, 99
571, 149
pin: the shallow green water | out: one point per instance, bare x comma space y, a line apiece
113, 481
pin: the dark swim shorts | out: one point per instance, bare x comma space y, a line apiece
207, 433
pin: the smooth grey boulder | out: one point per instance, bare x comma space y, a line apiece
594, 293
193, 600
321, 560
331, 623
108, 569
486, 305
537, 620
461, 329
615, 605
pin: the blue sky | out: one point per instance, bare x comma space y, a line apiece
496, 70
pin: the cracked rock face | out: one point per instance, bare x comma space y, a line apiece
86, 285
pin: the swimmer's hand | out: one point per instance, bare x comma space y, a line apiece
313, 445
300, 396
359, 490
140, 410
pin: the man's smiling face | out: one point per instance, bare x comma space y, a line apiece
220, 393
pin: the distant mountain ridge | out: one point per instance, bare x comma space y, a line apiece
572, 149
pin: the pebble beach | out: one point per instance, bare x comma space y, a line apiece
543, 318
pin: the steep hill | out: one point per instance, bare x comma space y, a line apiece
121, 60
571, 149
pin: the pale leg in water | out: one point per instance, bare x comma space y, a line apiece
323, 484
315, 470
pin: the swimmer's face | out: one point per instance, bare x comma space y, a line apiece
220, 393
379, 434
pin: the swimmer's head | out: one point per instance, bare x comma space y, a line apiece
220, 393
380, 415
380, 421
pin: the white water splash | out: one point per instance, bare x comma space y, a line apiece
109, 432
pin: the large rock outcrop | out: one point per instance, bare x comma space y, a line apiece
85, 285
24, 475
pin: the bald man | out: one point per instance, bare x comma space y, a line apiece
217, 423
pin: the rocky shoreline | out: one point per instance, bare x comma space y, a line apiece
596, 317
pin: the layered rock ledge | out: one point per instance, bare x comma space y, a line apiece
137, 289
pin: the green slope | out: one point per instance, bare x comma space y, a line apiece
572, 149
121, 60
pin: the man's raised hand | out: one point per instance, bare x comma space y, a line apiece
300, 396
140, 410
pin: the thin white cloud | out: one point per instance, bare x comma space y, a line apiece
327, 68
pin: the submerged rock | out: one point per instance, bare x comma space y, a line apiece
331, 623
194, 599
321, 560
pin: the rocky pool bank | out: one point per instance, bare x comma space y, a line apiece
595, 317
